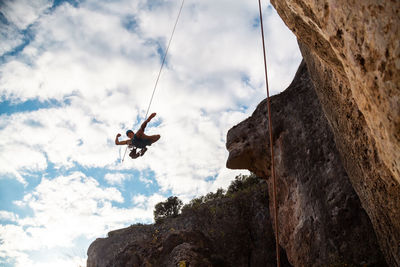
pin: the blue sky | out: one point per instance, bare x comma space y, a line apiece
73, 74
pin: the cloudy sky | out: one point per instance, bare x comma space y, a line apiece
74, 73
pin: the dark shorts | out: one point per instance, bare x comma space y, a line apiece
140, 142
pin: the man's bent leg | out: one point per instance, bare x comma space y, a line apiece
152, 138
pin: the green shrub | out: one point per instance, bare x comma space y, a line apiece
211, 196
167, 209
196, 202
242, 182
172, 206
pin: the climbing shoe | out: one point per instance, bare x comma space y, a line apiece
143, 151
133, 154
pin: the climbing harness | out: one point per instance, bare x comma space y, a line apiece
161, 68
270, 142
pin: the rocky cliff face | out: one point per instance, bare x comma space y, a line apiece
359, 41
352, 50
321, 221
230, 231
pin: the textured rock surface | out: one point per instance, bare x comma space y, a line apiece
231, 231
380, 195
360, 41
321, 221
352, 50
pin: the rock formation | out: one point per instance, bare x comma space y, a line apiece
230, 231
321, 221
352, 50
359, 41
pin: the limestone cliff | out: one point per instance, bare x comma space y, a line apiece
233, 230
359, 42
352, 50
321, 221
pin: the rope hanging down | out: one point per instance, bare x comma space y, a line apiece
270, 143
165, 56
161, 68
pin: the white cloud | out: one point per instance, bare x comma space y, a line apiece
139, 199
107, 73
24, 12
66, 135
116, 178
18, 158
10, 38
8, 216
19, 14
147, 202
64, 209
69, 206
145, 180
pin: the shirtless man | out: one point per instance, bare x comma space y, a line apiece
139, 140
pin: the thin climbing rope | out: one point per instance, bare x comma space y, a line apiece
270, 142
165, 56
122, 161
161, 68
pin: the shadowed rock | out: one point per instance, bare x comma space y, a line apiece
231, 231
321, 221
353, 56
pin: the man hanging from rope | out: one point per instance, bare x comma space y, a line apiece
139, 140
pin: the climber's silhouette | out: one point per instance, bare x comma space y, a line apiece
138, 140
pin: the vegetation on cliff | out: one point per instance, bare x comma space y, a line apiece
173, 206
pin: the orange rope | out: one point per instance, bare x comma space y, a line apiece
270, 142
